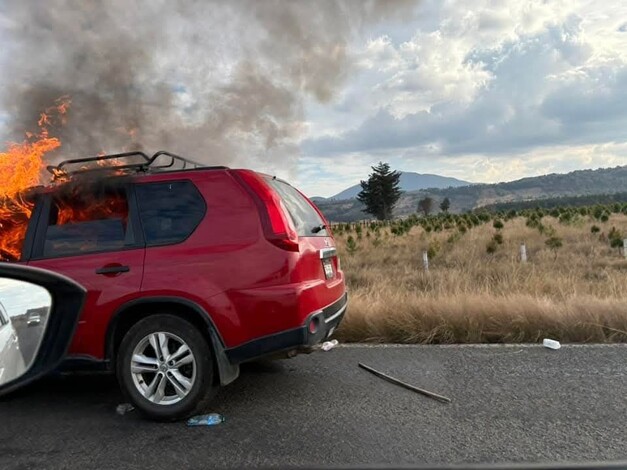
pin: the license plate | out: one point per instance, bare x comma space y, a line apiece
327, 264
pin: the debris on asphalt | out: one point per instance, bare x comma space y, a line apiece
551, 343
426, 393
206, 420
328, 345
124, 408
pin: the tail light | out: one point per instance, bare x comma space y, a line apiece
277, 223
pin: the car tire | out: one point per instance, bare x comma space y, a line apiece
179, 386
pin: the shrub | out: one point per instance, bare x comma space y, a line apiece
453, 237
616, 243
616, 238
533, 221
498, 238
351, 245
595, 229
491, 247
433, 249
554, 243
497, 224
565, 218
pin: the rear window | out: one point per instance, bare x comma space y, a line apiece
306, 219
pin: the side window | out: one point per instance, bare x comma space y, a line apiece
14, 219
169, 212
84, 222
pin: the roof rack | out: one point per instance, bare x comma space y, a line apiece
144, 165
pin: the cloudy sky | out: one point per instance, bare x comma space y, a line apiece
317, 92
481, 90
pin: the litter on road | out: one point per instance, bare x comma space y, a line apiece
426, 393
124, 408
206, 420
328, 345
551, 343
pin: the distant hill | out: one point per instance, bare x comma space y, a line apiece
563, 201
463, 198
410, 181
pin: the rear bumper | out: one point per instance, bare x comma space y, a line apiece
325, 321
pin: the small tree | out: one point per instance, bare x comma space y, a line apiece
445, 205
616, 238
597, 212
425, 205
554, 243
351, 245
433, 249
381, 191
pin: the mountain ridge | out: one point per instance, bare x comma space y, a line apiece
464, 198
409, 181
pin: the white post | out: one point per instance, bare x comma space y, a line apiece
425, 260
523, 253
625, 247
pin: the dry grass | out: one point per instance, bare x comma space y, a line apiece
470, 296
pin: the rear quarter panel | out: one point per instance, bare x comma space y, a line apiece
225, 253
248, 286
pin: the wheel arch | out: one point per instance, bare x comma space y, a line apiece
132, 312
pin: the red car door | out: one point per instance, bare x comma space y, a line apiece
92, 236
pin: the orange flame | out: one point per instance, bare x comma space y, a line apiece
21, 167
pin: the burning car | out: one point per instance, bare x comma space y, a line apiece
189, 270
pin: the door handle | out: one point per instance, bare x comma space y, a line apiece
116, 269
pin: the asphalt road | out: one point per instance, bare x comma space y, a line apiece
510, 404
29, 338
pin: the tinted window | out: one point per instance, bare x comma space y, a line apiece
169, 212
304, 216
4, 318
83, 222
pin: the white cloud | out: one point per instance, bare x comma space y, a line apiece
488, 90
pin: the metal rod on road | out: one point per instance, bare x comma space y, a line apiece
427, 393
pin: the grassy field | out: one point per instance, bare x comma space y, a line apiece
573, 293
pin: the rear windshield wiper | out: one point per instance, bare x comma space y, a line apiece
318, 228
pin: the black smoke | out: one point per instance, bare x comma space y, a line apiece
219, 82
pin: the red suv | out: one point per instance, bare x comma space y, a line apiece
190, 271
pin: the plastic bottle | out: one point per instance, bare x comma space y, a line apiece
551, 343
206, 420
